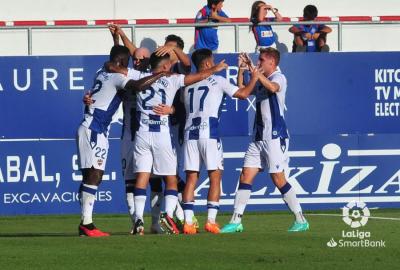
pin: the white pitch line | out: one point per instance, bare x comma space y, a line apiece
337, 215
314, 200
380, 152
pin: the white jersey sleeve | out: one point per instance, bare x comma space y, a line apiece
226, 86
178, 80
119, 80
136, 75
98, 116
280, 79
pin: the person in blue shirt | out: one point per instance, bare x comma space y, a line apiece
207, 37
310, 37
263, 34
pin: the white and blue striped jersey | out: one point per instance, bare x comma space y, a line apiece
106, 100
269, 122
203, 103
161, 92
129, 106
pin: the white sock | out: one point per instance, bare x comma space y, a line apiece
88, 196
289, 196
241, 199
140, 201
130, 201
156, 199
171, 199
179, 212
188, 211
212, 209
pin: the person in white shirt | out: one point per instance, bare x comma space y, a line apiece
269, 148
153, 148
202, 143
92, 135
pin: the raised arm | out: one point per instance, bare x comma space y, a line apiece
143, 83
127, 42
245, 91
200, 19
275, 11
326, 29
133, 85
114, 34
199, 76
240, 77
243, 66
272, 87
294, 30
182, 57
214, 15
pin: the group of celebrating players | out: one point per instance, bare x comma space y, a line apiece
171, 114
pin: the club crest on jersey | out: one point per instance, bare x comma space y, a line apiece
99, 162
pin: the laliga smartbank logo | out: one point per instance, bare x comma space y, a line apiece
356, 215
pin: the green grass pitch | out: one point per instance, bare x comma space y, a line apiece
51, 242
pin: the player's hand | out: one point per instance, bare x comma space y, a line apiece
256, 72
118, 29
163, 50
162, 109
214, 14
247, 60
87, 99
307, 36
221, 66
315, 36
242, 62
111, 27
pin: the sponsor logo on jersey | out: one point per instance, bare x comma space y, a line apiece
202, 126
161, 122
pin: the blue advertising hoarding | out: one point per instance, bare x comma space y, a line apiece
342, 114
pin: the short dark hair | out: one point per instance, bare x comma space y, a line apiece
310, 12
155, 60
177, 39
199, 56
120, 54
274, 53
213, 2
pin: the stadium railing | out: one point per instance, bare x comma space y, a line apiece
339, 22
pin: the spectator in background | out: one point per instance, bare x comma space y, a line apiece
141, 59
263, 34
207, 37
310, 37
